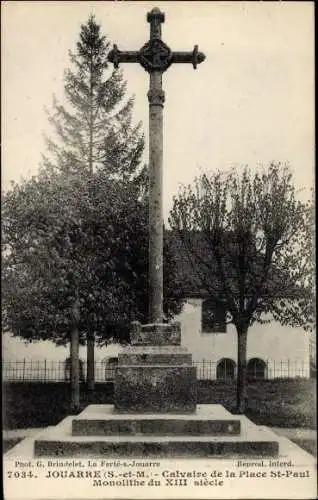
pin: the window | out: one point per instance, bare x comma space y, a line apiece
225, 369
256, 368
213, 317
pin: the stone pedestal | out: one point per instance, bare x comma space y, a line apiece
99, 431
155, 374
155, 412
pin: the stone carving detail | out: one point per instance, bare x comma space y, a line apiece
175, 331
155, 18
156, 97
155, 334
155, 55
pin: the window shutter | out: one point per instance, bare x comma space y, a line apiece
213, 317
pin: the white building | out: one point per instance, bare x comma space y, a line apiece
273, 350
43, 360
15, 349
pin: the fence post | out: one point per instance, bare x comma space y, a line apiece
23, 370
45, 370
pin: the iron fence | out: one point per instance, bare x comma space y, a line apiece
226, 369
51, 371
59, 371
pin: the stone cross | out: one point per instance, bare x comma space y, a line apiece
155, 57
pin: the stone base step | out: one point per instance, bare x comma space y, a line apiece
103, 421
156, 426
155, 446
154, 355
253, 441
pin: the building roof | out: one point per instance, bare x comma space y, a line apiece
198, 266
190, 267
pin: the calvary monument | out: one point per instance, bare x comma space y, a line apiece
155, 411
155, 374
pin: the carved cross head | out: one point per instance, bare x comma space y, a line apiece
155, 17
155, 55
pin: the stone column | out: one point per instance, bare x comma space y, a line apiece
155, 374
156, 101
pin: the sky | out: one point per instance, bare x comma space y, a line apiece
250, 102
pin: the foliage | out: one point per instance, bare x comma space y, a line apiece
48, 228
79, 236
255, 251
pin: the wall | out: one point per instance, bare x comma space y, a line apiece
15, 349
284, 349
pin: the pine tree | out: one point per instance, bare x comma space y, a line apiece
94, 130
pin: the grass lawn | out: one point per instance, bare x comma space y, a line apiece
308, 445
9, 443
277, 403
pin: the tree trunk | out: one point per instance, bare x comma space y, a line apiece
90, 355
90, 361
75, 368
241, 389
